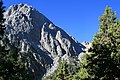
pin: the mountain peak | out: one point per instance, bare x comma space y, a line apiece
46, 42
23, 8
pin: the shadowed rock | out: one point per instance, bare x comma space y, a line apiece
46, 42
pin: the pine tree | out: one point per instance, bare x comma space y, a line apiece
2, 27
12, 64
61, 73
65, 71
12, 67
2, 48
103, 62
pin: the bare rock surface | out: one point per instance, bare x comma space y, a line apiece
45, 42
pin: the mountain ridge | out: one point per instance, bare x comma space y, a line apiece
46, 43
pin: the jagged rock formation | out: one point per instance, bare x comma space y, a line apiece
45, 42
86, 47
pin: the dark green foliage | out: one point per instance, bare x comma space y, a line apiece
12, 65
82, 73
65, 71
103, 62
2, 27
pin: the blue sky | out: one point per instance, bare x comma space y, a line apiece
77, 17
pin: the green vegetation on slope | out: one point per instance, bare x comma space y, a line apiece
103, 60
13, 66
65, 71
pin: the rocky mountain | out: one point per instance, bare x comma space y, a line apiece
46, 43
87, 46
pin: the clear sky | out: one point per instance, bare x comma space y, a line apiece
77, 17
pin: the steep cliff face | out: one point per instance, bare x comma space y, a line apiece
45, 42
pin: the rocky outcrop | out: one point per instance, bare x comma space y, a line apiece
86, 47
45, 42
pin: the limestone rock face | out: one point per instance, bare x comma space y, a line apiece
46, 42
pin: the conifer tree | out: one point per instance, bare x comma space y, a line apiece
65, 71
12, 67
2, 27
2, 48
103, 62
